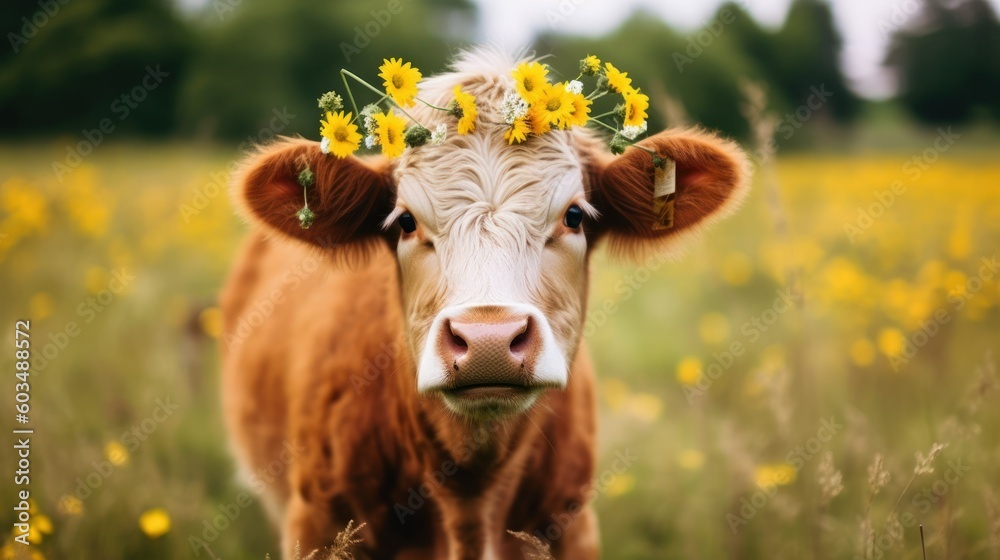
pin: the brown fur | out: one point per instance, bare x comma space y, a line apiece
326, 367
713, 177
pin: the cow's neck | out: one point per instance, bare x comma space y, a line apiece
472, 468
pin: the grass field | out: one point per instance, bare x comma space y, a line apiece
781, 386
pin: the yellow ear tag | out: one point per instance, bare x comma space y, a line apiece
664, 191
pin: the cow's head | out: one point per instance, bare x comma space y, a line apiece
493, 240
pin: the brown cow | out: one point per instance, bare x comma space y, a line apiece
435, 386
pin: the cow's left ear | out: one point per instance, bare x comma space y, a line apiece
350, 197
712, 178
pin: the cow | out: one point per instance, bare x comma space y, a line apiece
414, 361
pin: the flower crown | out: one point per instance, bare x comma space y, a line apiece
535, 107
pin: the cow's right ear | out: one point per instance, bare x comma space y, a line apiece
350, 197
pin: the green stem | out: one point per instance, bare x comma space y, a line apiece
598, 96
357, 114
611, 112
630, 142
432, 106
345, 73
360, 81
305, 198
612, 129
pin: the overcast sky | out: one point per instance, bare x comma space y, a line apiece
862, 24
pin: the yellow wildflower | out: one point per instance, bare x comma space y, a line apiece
691, 459
530, 80
41, 305
581, 110
466, 103
211, 321
400, 81
636, 104
590, 65
617, 80
778, 474
556, 104
689, 370
518, 131
862, 352
154, 523
116, 453
736, 269
389, 130
891, 342
341, 132
619, 485
25, 203
42, 523
538, 121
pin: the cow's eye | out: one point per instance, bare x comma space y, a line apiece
574, 217
407, 223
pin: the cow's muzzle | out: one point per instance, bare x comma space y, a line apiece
490, 354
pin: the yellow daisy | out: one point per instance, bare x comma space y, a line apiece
342, 134
590, 65
556, 104
537, 120
389, 129
581, 110
617, 80
116, 453
400, 80
155, 522
635, 108
466, 103
518, 131
530, 80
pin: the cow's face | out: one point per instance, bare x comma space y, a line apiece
492, 257
492, 240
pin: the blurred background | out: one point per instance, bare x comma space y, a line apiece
787, 386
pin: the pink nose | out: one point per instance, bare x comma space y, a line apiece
490, 349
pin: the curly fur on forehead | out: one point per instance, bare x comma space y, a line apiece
478, 180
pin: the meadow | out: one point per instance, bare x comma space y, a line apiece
814, 378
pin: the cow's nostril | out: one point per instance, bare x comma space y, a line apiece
457, 345
519, 343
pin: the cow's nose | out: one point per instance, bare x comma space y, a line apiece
485, 351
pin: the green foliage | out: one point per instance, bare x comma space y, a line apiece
253, 68
806, 54
76, 67
272, 55
703, 69
949, 66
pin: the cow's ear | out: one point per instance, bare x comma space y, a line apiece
350, 197
712, 178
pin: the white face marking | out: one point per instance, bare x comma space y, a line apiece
491, 231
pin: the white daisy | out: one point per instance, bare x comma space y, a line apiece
513, 107
369, 112
576, 86
439, 134
631, 132
324, 145
371, 141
